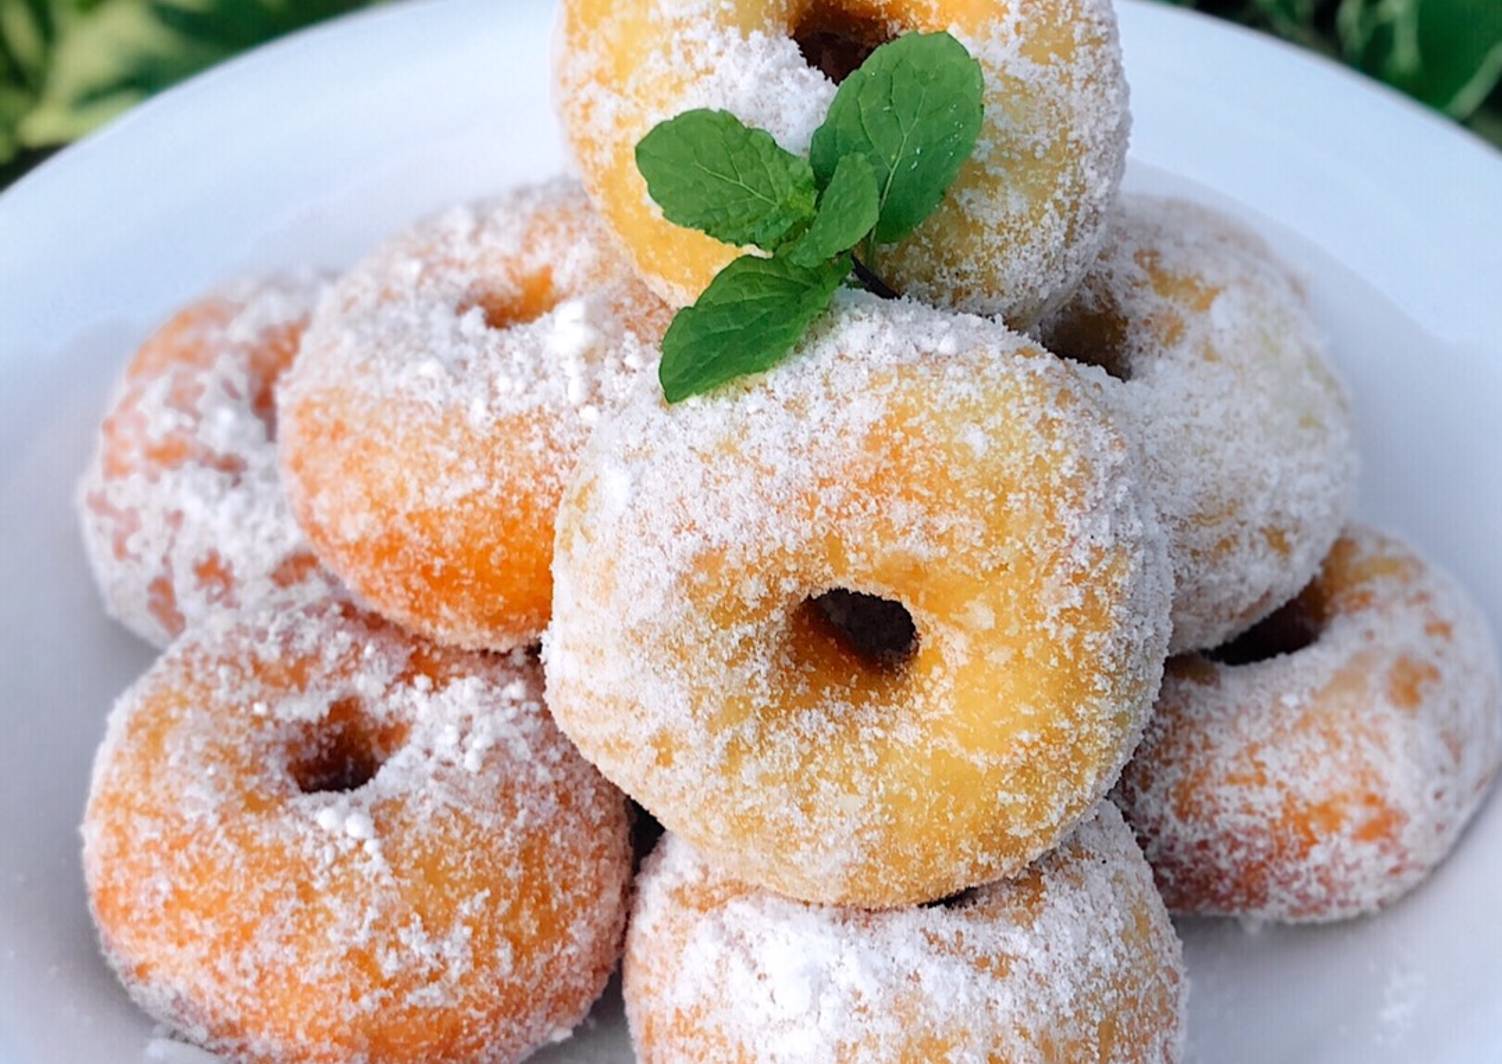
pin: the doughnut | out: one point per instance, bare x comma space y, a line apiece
1021, 224
1075, 960
311, 837
181, 508
1323, 764
1205, 343
872, 628
444, 390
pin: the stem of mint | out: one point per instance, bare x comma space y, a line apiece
871, 282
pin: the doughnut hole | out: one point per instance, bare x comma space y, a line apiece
490, 920
1025, 213
878, 633
1287, 630
528, 297
1097, 330
893, 767
1096, 336
192, 340
184, 353
835, 41
1220, 346
850, 649
344, 751
1327, 784
435, 502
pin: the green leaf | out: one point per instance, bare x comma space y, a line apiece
848, 210
709, 171
105, 62
1487, 123
27, 30
1461, 45
13, 105
115, 53
235, 25
914, 110
1447, 53
1294, 20
746, 321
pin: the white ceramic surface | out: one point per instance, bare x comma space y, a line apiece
310, 150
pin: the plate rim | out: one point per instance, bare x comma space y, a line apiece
87, 151
146, 111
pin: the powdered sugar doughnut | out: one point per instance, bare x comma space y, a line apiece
1020, 225
1323, 764
872, 628
1210, 350
311, 837
444, 389
181, 509
1075, 960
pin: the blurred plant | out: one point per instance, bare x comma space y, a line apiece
68, 65
1445, 53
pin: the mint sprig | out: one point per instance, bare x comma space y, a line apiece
896, 135
849, 209
913, 110
709, 171
747, 321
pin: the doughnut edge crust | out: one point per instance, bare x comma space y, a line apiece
1074, 960
444, 389
466, 902
1328, 782
181, 509
1244, 424
1053, 75
934, 459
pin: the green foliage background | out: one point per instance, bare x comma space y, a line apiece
68, 65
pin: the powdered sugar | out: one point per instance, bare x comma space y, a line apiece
1019, 228
170, 1051
444, 389
1327, 782
1404, 997
1245, 428
467, 898
1075, 960
681, 658
766, 82
181, 508
511, 302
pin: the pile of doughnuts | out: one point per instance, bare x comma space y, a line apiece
1000, 621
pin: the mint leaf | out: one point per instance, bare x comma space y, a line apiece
894, 140
913, 109
848, 210
709, 171
746, 321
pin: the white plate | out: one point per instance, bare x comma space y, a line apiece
309, 151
